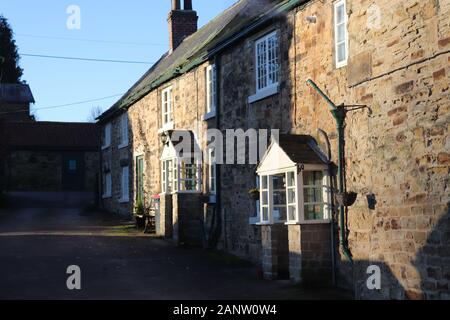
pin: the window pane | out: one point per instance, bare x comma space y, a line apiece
341, 33
279, 214
264, 184
313, 195
341, 52
279, 198
314, 212
340, 14
265, 198
313, 178
291, 196
73, 165
278, 182
292, 213
265, 214
291, 179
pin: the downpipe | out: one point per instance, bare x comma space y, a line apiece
339, 114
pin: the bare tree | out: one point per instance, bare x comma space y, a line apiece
94, 114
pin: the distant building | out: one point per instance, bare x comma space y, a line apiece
15, 100
51, 156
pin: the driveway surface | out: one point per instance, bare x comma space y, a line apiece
42, 234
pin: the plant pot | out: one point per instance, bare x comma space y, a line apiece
346, 199
254, 196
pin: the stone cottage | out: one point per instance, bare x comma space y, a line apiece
352, 178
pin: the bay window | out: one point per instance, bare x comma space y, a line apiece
292, 192
284, 200
179, 174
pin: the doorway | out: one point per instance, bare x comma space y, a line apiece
73, 171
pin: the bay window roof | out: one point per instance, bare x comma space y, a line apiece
289, 151
181, 144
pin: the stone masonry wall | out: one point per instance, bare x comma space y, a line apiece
399, 65
399, 153
116, 159
34, 171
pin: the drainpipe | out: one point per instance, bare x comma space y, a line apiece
220, 222
339, 114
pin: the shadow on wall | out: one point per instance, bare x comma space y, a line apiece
426, 277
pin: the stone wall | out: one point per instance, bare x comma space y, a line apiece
399, 153
42, 170
187, 219
275, 251
399, 66
115, 158
34, 171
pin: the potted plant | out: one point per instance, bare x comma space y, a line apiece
139, 213
347, 199
254, 194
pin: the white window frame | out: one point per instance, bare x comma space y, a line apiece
345, 42
167, 109
212, 172
267, 84
125, 185
172, 175
124, 139
167, 175
255, 220
107, 192
211, 91
299, 202
107, 136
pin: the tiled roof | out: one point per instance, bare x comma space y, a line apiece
302, 149
195, 48
52, 135
15, 93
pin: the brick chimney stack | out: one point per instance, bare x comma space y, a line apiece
182, 22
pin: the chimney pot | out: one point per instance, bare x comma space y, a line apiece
187, 4
176, 5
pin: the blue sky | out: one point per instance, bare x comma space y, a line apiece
141, 24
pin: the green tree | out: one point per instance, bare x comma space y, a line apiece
10, 71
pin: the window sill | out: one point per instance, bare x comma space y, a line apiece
105, 147
254, 221
106, 196
264, 93
124, 200
212, 199
308, 222
167, 127
209, 115
123, 146
341, 64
